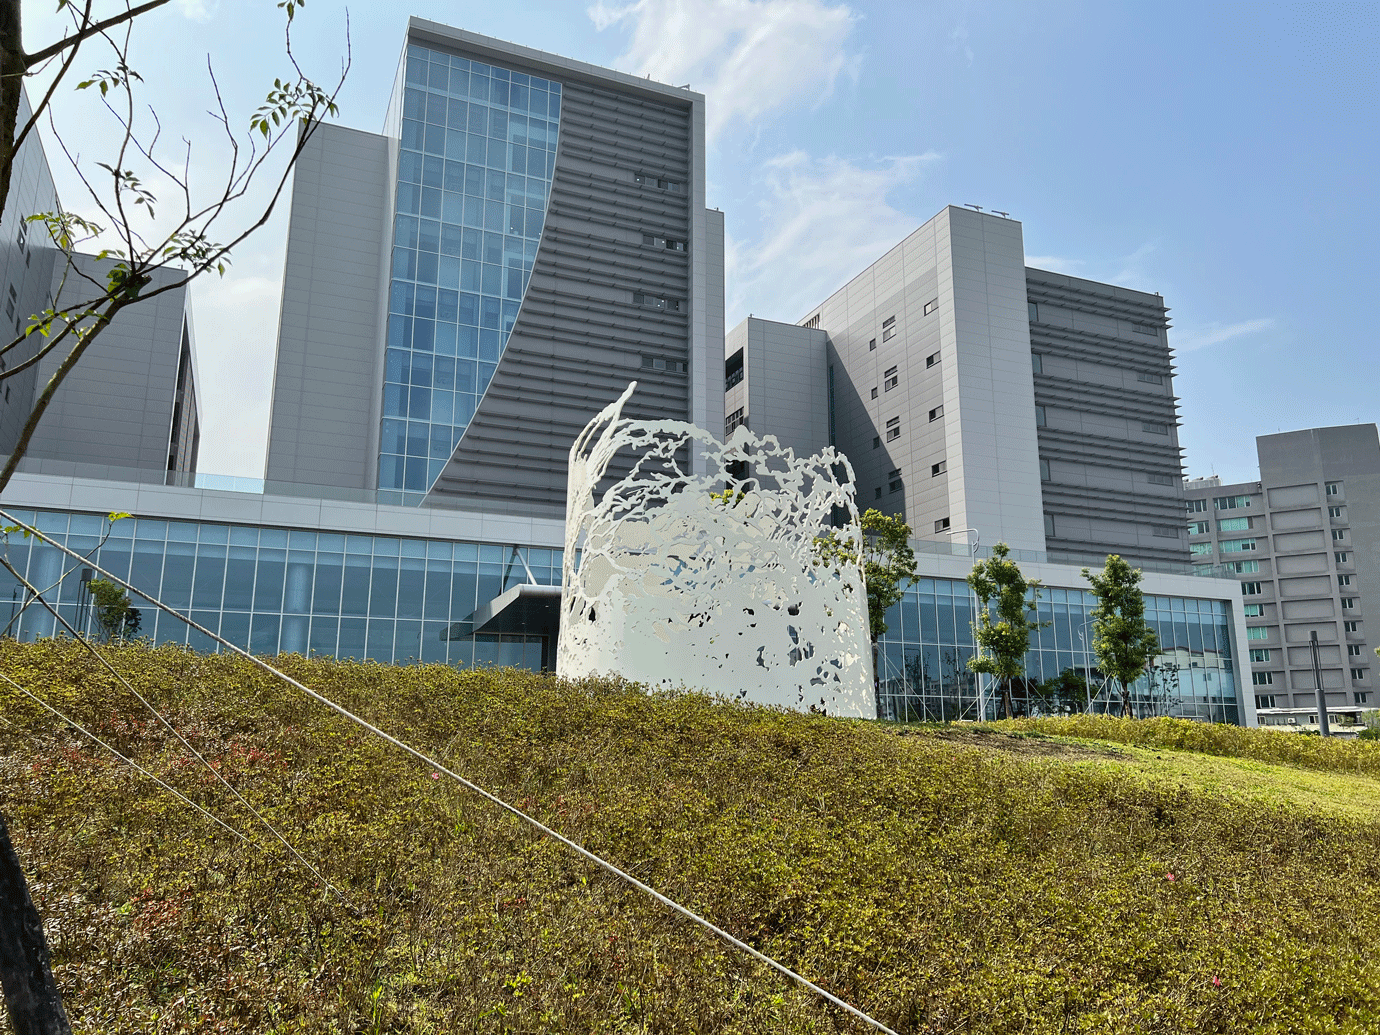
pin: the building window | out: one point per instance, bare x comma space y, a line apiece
892, 379
674, 186
889, 321
1342, 557
936, 413
888, 328
9, 305
1334, 488
1260, 653
1362, 698
1264, 701
1037, 363
941, 525
1236, 545
878, 494
1165, 531
735, 420
932, 361
1353, 650
937, 469
1253, 610
1044, 470
1200, 549
1160, 479
1338, 534
812, 323
733, 369
1257, 632
1040, 417
669, 304
1195, 506
1049, 524
1140, 328
1335, 512
1358, 674
1343, 580
670, 244
1242, 567
893, 429
1232, 502
1351, 627
1151, 379
874, 393
1348, 603
1240, 524
872, 345
657, 363
1250, 589
1199, 528
894, 483
876, 442
931, 306
1032, 311
1154, 428
1263, 678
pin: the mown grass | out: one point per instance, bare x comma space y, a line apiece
942, 886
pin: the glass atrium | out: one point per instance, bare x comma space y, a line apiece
478, 148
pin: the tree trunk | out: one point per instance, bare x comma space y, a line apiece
1006, 700
12, 69
1126, 702
31, 995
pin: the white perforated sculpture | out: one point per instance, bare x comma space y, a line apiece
677, 586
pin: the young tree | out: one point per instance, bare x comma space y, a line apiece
1066, 692
888, 566
1122, 640
116, 618
134, 233
1002, 641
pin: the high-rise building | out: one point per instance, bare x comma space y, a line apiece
1304, 541
466, 289
971, 392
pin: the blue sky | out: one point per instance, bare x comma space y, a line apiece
1224, 155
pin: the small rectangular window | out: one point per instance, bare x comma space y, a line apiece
1033, 312
1354, 650
1335, 512
893, 434
1351, 627
1362, 698
1160, 479
888, 334
1338, 534
1342, 557
1200, 549
1253, 610
1242, 567
1257, 632
1154, 427
1348, 603
894, 483
1263, 678
872, 345
931, 306
1260, 654
1334, 488
1250, 589
1236, 545
1264, 701
937, 469
874, 393
1238, 524
878, 493
888, 322
941, 524
932, 361
889, 371
1049, 524
1037, 363
1358, 674
1343, 580
1232, 502
1165, 531
891, 379
734, 421
1044, 470
1040, 417
1140, 328
876, 442
1195, 507
936, 413
1199, 528
23, 232
1150, 379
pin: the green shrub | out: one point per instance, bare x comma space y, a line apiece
939, 887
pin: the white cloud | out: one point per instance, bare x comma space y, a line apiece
958, 42
746, 56
198, 10
822, 221
1216, 333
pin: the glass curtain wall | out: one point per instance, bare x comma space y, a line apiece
923, 658
393, 600
477, 152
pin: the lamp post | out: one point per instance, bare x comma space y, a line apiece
972, 554
1323, 726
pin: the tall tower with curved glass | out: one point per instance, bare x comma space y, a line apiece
466, 289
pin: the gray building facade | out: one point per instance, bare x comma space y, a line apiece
978, 397
1304, 541
531, 234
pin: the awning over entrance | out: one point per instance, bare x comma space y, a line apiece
531, 610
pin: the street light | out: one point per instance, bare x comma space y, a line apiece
977, 537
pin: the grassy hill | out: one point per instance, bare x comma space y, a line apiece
1092, 875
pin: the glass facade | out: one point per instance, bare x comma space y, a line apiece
476, 156
272, 589
923, 657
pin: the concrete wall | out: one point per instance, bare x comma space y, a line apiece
116, 406
784, 391
323, 429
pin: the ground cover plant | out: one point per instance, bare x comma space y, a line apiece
945, 880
